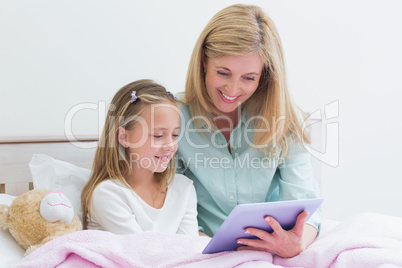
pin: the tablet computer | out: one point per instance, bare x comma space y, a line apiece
252, 215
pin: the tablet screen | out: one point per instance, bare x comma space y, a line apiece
252, 215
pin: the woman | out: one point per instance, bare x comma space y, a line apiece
243, 133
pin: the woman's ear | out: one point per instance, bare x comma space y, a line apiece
122, 137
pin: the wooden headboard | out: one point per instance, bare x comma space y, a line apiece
16, 153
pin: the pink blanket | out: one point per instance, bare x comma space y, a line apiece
366, 240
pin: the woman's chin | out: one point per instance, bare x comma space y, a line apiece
225, 108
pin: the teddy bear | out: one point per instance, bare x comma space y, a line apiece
38, 216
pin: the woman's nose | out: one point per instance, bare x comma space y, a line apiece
232, 87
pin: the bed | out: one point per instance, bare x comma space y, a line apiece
365, 240
15, 175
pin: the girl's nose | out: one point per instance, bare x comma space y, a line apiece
168, 146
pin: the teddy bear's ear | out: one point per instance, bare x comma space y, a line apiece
4, 216
55, 206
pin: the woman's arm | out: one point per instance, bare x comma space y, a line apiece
295, 181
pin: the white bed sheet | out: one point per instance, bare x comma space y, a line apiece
10, 251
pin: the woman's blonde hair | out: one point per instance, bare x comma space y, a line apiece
244, 30
112, 160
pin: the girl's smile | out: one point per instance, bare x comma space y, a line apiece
153, 141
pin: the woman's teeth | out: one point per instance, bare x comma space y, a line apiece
228, 97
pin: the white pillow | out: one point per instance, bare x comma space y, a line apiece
56, 175
10, 251
6, 199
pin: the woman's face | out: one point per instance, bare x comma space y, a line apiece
231, 80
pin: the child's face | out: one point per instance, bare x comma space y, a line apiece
153, 141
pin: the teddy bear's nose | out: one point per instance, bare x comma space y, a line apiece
55, 206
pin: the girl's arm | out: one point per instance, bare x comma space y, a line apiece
189, 223
110, 209
202, 234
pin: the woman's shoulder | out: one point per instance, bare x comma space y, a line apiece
184, 107
180, 95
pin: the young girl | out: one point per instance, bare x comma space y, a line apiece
133, 187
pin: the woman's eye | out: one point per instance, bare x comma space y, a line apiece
222, 73
250, 78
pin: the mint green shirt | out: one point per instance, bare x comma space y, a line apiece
223, 179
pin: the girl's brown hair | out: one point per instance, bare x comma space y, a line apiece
111, 159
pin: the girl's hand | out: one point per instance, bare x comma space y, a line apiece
283, 243
202, 234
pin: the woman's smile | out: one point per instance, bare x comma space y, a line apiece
230, 80
227, 98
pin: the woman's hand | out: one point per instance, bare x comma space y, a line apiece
283, 243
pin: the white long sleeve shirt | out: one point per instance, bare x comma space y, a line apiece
118, 209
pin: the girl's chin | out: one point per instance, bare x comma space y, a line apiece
160, 169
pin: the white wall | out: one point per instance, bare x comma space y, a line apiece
55, 55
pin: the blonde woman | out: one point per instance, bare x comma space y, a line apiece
243, 133
133, 187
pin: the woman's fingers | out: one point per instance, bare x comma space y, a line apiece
276, 227
253, 244
261, 234
266, 240
253, 248
299, 226
281, 242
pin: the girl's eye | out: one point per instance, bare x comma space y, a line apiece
175, 135
158, 136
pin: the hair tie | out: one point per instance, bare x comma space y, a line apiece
134, 96
173, 96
